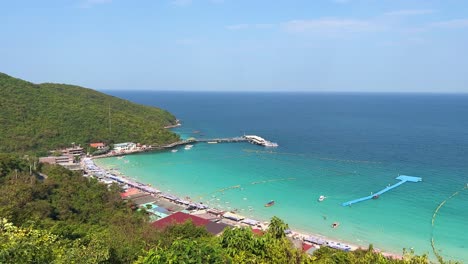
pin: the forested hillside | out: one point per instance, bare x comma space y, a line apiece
37, 117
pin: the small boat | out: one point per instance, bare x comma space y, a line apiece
321, 198
270, 203
375, 197
335, 225
174, 150
212, 142
187, 147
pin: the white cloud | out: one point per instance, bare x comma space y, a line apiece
454, 23
328, 25
181, 3
238, 26
410, 12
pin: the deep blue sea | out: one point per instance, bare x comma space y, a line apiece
343, 146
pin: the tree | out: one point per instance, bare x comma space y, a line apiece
186, 230
28, 245
186, 251
277, 227
25, 245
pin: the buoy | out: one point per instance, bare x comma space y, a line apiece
436, 211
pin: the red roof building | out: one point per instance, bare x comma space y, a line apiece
257, 232
179, 218
130, 192
98, 145
306, 246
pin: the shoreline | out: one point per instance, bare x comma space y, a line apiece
149, 148
177, 124
296, 234
143, 150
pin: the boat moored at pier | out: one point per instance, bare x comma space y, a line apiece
187, 147
260, 141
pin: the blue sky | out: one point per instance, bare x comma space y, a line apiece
237, 45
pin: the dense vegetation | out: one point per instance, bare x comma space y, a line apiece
39, 117
67, 218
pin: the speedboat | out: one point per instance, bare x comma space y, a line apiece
375, 197
174, 150
335, 225
270, 203
321, 198
187, 147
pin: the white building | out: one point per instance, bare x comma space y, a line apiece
125, 146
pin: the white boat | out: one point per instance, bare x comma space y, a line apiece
260, 141
321, 198
212, 142
174, 150
187, 147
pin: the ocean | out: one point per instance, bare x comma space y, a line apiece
340, 145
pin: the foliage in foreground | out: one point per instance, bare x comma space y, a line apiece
39, 117
68, 218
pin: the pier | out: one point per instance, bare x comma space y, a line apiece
224, 140
250, 138
402, 178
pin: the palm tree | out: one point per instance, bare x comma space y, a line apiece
277, 227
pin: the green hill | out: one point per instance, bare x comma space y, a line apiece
38, 117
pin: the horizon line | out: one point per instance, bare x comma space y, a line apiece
284, 91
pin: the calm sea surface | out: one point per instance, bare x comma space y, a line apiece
343, 146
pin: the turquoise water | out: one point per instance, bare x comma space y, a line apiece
343, 146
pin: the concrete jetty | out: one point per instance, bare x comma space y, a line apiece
402, 178
247, 138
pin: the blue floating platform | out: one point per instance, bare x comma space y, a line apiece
402, 178
409, 178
